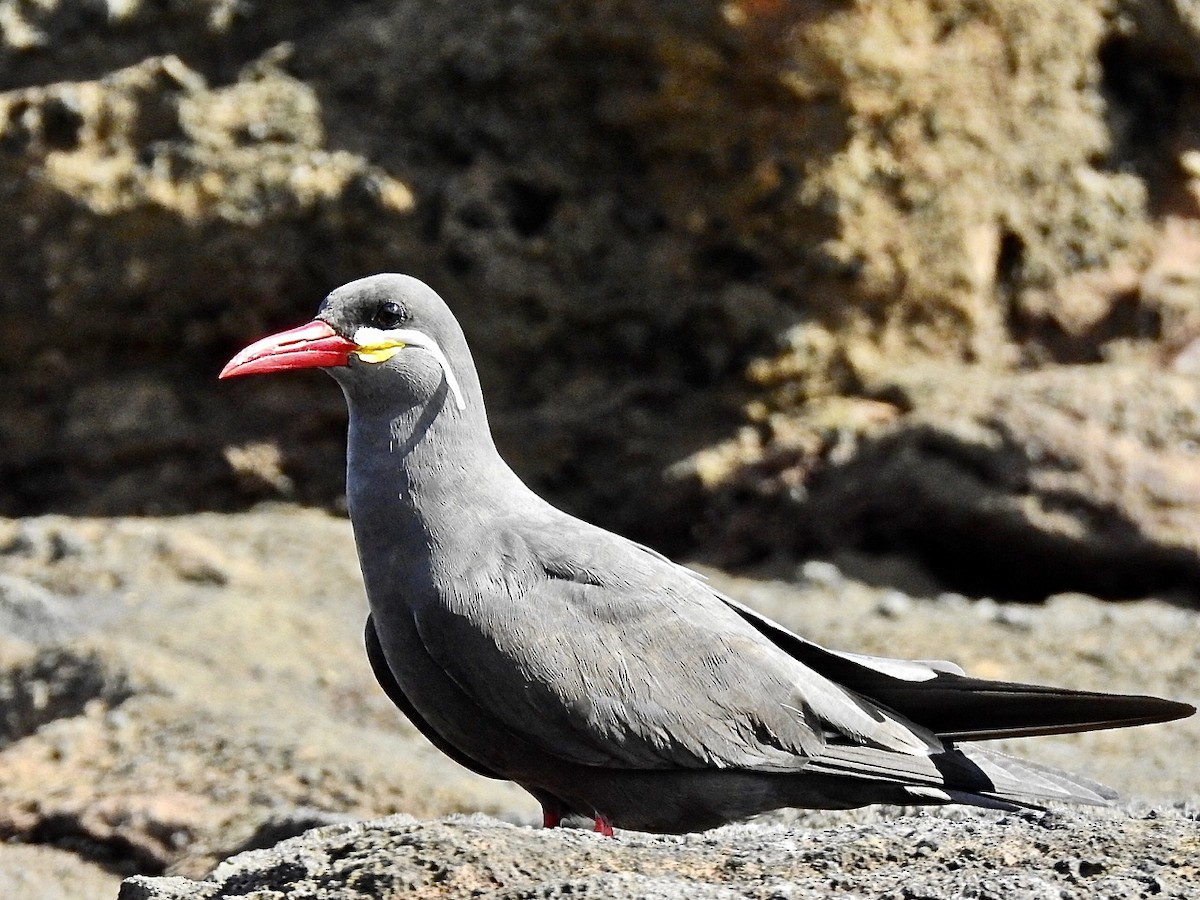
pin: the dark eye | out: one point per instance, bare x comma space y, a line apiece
389, 315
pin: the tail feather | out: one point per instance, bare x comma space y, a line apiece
977, 776
1029, 784
966, 798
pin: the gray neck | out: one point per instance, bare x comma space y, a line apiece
423, 482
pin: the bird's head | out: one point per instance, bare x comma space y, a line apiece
383, 335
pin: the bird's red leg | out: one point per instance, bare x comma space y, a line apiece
603, 825
553, 809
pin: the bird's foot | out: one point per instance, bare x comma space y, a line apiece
550, 818
603, 825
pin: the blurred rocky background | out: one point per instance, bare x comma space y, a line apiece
911, 287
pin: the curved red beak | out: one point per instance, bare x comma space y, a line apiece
311, 346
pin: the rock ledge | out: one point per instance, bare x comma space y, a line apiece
1133, 851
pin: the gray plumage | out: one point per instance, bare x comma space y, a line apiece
603, 678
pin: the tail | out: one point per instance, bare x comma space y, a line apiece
976, 777
1018, 783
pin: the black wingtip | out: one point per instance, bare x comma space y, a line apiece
1171, 710
969, 709
1070, 726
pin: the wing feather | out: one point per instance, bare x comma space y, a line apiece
603, 654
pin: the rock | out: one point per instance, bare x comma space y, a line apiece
46, 873
1018, 485
1122, 853
57, 683
627, 205
30, 612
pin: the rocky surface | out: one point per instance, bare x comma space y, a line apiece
1137, 853
42, 872
178, 690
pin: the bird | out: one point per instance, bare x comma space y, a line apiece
608, 681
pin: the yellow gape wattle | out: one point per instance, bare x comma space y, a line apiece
378, 353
